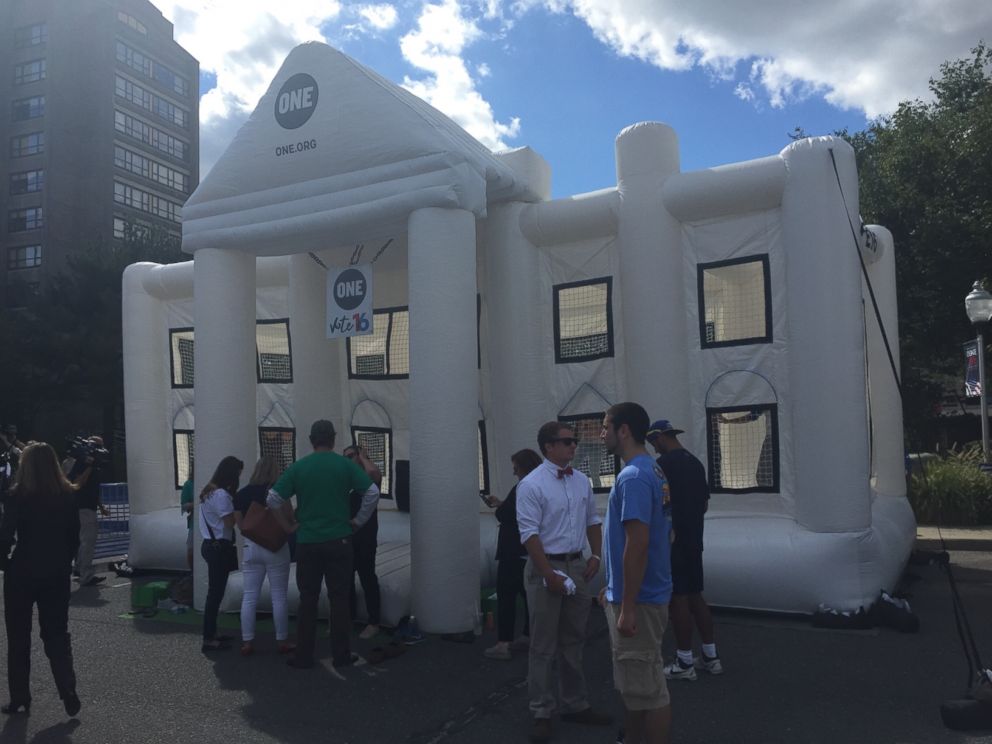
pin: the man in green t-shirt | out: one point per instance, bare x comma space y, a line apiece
186, 507
322, 483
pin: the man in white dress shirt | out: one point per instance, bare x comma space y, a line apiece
556, 512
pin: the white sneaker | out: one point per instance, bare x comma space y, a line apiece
370, 631
500, 651
710, 664
675, 670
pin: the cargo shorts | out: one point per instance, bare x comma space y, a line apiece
638, 669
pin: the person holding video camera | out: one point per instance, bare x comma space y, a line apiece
86, 475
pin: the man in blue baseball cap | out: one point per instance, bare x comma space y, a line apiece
690, 496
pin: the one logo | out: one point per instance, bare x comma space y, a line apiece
350, 289
296, 101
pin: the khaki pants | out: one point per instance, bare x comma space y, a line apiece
557, 634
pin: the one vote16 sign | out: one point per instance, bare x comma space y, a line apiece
349, 301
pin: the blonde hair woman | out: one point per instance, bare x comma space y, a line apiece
41, 517
257, 562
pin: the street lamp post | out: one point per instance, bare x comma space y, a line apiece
978, 305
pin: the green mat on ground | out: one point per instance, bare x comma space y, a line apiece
226, 621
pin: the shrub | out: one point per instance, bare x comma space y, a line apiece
953, 490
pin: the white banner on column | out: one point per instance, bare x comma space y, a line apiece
349, 301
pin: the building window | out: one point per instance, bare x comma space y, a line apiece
19, 220
591, 456
137, 198
378, 443
145, 99
182, 455
483, 460
734, 302
151, 136
279, 442
583, 320
131, 22
27, 144
24, 257
742, 452
29, 72
151, 69
29, 36
181, 357
273, 351
383, 354
27, 108
27, 182
151, 169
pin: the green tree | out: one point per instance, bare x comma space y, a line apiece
67, 343
926, 174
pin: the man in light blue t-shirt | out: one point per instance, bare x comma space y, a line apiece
638, 576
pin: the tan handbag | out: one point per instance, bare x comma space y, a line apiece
262, 528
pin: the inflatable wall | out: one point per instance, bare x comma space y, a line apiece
732, 301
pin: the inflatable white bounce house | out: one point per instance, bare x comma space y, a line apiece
731, 301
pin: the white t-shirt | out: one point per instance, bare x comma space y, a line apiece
217, 505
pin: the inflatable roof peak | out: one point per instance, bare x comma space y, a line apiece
339, 154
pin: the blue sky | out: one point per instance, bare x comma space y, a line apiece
565, 76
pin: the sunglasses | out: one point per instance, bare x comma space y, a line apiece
567, 441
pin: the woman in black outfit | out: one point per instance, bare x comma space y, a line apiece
42, 520
511, 557
217, 531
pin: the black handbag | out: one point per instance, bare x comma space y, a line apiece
224, 552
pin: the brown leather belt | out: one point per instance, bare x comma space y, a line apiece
564, 556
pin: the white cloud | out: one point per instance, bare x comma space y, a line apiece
242, 42
436, 47
380, 17
862, 54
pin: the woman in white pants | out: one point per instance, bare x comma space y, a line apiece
257, 562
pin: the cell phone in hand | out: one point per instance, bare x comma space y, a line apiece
485, 500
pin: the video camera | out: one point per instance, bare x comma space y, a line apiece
83, 450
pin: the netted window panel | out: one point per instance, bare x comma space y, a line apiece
274, 354
182, 455
591, 456
384, 353
583, 321
181, 353
378, 443
280, 442
735, 302
483, 460
742, 449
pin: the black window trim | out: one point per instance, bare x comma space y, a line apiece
772, 408
598, 418
701, 301
175, 455
258, 356
389, 452
172, 359
484, 445
609, 353
389, 341
277, 430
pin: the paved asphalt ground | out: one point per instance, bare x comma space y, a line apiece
146, 681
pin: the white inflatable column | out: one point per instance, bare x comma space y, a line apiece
826, 338
517, 353
316, 372
149, 465
225, 378
888, 468
444, 404
651, 268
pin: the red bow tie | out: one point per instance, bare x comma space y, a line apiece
562, 472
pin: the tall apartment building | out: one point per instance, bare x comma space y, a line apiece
99, 113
